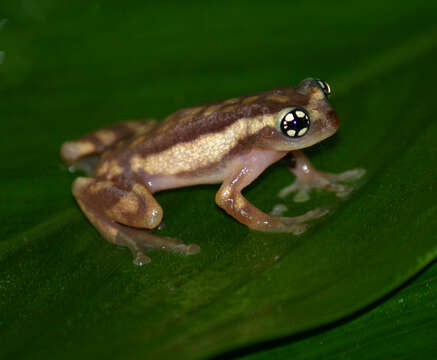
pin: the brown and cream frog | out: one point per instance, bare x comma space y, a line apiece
229, 143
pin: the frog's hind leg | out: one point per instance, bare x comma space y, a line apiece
119, 215
83, 153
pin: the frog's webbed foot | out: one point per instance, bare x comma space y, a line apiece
297, 224
322, 180
121, 216
139, 241
308, 178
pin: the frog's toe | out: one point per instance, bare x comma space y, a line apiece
310, 215
140, 259
297, 224
348, 176
288, 189
296, 229
189, 249
148, 241
302, 195
339, 184
278, 209
301, 188
340, 190
140, 241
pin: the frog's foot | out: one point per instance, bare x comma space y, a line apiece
321, 180
139, 241
297, 224
119, 215
308, 178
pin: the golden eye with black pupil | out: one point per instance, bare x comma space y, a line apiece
324, 86
295, 123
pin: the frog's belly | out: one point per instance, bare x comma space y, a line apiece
162, 182
212, 174
181, 167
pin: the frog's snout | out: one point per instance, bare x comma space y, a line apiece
333, 120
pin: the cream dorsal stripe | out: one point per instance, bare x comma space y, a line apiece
204, 151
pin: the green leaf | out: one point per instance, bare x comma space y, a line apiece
400, 327
68, 69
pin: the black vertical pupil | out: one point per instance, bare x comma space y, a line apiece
299, 123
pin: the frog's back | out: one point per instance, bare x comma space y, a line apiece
198, 137
190, 123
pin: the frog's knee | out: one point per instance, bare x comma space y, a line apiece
137, 210
152, 212
136, 207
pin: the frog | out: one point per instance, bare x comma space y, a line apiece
228, 142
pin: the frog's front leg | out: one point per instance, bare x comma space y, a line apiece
243, 171
119, 214
307, 178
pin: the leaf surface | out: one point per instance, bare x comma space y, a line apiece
69, 69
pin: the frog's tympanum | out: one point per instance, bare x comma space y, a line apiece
229, 143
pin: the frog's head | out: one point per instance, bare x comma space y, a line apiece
305, 119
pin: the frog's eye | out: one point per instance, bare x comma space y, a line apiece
324, 86
295, 122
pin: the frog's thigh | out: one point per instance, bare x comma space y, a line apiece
112, 210
137, 207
